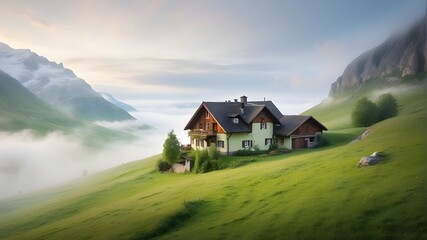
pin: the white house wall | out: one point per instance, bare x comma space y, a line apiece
259, 135
222, 137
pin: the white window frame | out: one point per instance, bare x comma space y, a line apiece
268, 141
263, 125
247, 143
220, 144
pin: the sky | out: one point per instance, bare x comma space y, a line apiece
165, 57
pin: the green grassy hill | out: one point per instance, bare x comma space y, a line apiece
20, 109
307, 194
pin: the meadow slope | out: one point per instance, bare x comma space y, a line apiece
317, 193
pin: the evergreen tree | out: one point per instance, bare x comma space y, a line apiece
171, 148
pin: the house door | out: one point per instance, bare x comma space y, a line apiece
214, 127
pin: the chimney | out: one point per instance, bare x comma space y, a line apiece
235, 100
243, 101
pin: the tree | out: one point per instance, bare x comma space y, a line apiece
387, 106
365, 113
171, 148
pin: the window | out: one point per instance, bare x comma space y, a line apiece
207, 126
246, 143
282, 141
200, 125
220, 144
235, 120
207, 115
263, 124
268, 141
312, 139
200, 143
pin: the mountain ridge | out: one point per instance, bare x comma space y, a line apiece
58, 86
21, 110
402, 54
122, 105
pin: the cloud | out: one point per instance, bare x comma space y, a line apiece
29, 162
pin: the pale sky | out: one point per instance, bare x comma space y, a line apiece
185, 52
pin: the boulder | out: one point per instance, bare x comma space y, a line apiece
375, 158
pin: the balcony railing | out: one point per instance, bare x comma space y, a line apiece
202, 132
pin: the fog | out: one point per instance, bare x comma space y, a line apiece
393, 90
28, 162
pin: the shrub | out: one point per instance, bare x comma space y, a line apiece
365, 113
250, 152
387, 106
163, 166
200, 159
274, 146
213, 152
171, 148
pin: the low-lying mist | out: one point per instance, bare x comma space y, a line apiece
29, 162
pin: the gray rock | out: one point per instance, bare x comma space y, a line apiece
375, 158
400, 55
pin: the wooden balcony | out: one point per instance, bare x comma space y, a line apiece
201, 133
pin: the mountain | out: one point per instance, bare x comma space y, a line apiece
20, 109
58, 86
402, 54
122, 105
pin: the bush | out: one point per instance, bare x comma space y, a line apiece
163, 166
200, 159
274, 146
213, 152
387, 106
365, 113
250, 152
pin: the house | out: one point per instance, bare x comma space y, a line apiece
235, 125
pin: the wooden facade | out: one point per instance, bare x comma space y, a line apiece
205, 121
263, 116
310, 127
306, 135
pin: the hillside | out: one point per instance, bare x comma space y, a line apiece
402, 54
58, 86
306, 194
20, 109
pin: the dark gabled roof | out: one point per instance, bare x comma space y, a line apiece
271, 107
224, 112
289, 123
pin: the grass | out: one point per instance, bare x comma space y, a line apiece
305, 194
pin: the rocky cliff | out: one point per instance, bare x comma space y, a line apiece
400, 55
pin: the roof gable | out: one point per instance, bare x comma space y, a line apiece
290, 123
225, 112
